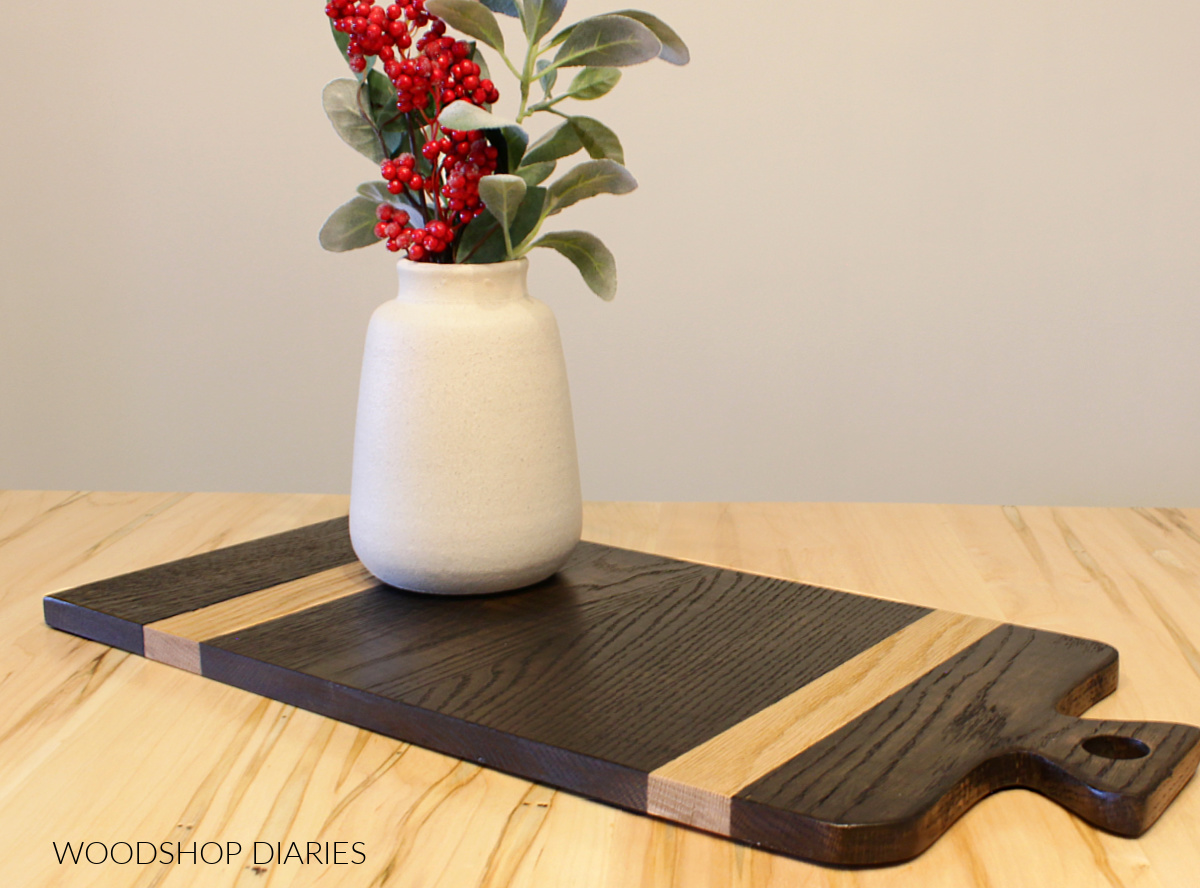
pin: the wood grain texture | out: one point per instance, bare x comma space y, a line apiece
587, 680
176, 640
697, 788
579, 662
113, 610
999, 714
212, 762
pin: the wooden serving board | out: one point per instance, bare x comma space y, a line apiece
823, 724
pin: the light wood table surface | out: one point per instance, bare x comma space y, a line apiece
99, 745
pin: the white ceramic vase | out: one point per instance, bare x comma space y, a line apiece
465, 474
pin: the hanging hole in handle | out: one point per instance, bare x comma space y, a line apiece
1110, 746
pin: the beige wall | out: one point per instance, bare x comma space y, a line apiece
906, 250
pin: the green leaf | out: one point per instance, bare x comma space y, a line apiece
515, 142
504, 7
481, 239
594, 260
541, 16
562, 141
380, 93
340, 99
608, 40
395, 140
588, 179
377, 193
592, 83
483, 229
350, 226
531, 213
536, 173
549, 78
502, 194
674, 50
560, 37
469, 16
599, 141
510, 143
461, 115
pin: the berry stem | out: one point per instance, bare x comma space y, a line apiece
369, 118
435, 133
418, 199
483, 240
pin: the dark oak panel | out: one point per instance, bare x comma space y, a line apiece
166, 590
678, 653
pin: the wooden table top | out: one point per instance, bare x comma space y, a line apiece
104, 747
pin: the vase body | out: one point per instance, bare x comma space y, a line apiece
465, 476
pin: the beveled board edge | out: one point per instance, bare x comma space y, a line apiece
93, 625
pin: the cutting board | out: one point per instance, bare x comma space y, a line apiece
823, 724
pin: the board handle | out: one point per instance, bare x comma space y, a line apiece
1117, 775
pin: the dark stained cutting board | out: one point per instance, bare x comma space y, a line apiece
823, 724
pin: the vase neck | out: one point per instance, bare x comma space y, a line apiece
492, 283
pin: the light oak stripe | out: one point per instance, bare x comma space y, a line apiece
176, 640
697, 787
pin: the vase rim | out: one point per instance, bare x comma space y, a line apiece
489, 282
408, 265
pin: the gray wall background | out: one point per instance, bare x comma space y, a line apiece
915, 250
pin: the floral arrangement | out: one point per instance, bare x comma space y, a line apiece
460, 184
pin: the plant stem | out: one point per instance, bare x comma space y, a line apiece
527, 76
548, 104
527, 244
511, 67
508, 253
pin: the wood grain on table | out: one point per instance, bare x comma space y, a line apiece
102, 746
